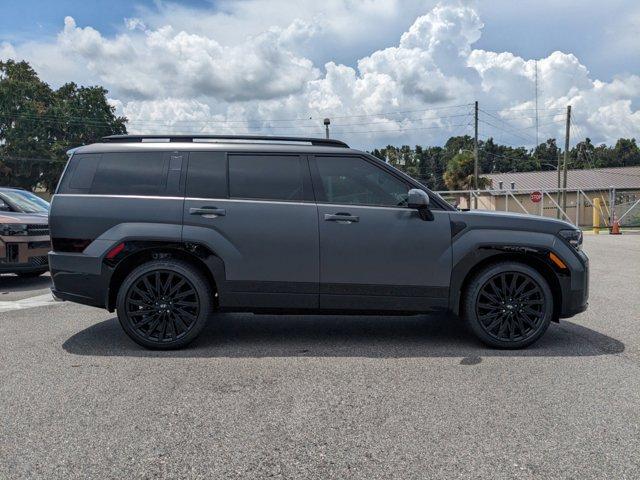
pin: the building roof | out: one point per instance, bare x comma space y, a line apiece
595, 178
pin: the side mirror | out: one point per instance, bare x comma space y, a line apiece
418, 199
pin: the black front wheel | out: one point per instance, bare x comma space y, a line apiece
508, 305
164, 304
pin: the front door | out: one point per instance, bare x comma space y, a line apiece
259, 217
375, 252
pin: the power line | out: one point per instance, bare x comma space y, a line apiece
85, 121
507, 131
217, 120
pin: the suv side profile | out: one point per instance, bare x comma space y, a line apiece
167, 230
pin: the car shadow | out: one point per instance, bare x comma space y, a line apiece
256, 336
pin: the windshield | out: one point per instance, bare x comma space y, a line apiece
26, 202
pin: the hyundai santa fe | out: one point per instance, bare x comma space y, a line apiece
168, 230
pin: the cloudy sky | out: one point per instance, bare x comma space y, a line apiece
384, 71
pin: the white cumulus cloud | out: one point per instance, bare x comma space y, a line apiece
247, 69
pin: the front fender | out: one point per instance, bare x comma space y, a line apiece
473, 248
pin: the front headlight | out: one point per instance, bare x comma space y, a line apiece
574, 237
10, 229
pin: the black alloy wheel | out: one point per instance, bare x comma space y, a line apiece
509, 305
164, 304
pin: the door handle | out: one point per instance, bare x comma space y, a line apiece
208, 212
341, 217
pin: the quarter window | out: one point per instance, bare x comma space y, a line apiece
271, 177
354, 181
131, 173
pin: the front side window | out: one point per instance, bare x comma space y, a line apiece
269, 177
354, 181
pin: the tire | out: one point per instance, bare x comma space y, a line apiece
33, 274
504, 314
164, 304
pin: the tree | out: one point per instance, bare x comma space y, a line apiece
460, 173
626, 153
38, 125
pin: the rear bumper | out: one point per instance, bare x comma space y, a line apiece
78, 278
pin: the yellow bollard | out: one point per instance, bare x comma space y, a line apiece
596, 215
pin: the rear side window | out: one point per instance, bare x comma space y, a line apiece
207, 175
131, 173
270, 177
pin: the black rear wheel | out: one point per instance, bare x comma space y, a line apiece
164, 304
508, 305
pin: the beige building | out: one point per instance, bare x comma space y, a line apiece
512, 192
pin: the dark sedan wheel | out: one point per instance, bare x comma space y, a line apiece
508, 305
164, 304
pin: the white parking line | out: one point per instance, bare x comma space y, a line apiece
37, 301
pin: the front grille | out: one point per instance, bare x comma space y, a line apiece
35, 229
39, 261
12, 252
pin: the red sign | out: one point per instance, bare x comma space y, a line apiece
536, 197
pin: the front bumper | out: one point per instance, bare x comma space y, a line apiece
575, 290
24, 253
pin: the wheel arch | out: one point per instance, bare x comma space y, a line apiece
482, 258
138, 252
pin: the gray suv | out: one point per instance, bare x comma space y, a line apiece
167, 230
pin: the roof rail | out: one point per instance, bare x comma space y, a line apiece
320, 142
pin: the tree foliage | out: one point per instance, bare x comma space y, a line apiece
38, 125
451, 166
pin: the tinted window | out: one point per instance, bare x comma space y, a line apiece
131, 173
354, 181
85, 169
207, 175
272, 177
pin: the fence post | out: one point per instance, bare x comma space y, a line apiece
596, 215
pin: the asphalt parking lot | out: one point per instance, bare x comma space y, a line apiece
323, 397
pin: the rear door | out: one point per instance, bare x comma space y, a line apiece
256, 211
375, 252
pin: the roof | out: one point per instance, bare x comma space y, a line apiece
595, 178
327, 142
264, 147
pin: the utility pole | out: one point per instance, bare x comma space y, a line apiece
566, 159
476, 172
327, 122
537, 141
558, 192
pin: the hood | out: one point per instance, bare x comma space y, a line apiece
512, 221
15, 217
